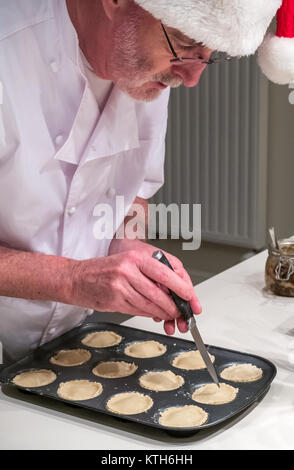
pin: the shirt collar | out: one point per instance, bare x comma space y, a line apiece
117, 129
115, 132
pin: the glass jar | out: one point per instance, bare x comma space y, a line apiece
279, 270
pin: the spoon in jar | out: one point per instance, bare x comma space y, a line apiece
273, 239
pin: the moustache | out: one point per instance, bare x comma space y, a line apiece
173, 81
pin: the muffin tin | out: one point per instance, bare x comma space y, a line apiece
248, 394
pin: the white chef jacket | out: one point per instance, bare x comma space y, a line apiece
49, 115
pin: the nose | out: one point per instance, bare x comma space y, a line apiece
190, 73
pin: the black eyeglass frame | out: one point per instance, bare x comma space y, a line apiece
199, 58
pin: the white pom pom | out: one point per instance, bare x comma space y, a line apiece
276, 59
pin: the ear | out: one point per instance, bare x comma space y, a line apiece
113, 7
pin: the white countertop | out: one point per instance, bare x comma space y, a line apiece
237, 314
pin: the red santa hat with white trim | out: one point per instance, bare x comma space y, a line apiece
238, 27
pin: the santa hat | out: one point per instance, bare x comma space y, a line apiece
237, 27
276, 54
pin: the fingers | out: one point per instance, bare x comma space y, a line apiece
169, 326
149, 285
194, 302
161, 299
176, 264
129, 309
158, 272
144, 304
178, 281
182, 325
165, 289
195, 305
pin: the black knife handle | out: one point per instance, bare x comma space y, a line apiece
183, 305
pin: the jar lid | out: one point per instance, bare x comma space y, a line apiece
287, 247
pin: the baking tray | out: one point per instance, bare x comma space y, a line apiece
248, 394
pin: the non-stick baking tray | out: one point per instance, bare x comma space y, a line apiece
248, 394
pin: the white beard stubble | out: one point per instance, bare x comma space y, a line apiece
131, 70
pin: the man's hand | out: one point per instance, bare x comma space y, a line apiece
140, 248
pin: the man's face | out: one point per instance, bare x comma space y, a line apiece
139, 63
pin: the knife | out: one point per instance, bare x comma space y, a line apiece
187, 313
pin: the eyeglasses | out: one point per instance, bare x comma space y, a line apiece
216, 57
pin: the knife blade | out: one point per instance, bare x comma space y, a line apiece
187, 313
201, 346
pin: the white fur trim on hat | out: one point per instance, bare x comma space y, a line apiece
276, 59
237, 27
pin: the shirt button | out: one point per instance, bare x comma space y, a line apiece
71, 210
54, 66
111, 193
59, 139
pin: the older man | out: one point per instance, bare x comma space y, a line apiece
72, 136
84, 94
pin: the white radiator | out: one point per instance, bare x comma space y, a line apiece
216, 152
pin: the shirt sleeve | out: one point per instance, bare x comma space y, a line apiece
154, 170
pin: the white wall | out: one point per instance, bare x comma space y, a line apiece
281, 161
211, 258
